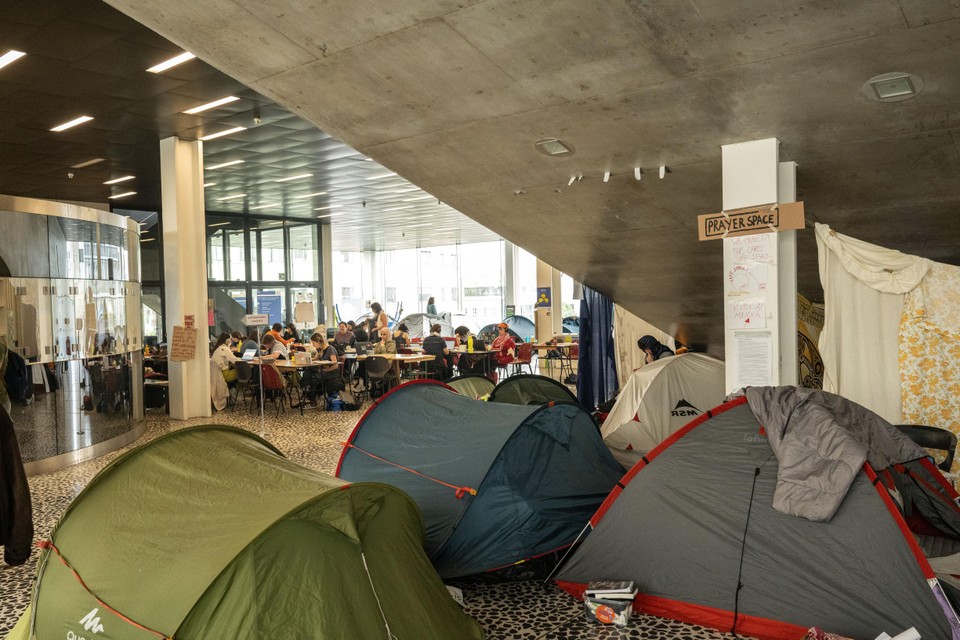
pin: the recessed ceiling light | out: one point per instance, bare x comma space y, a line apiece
72, 123
554, 147
212, 105
172, 62
9, 57
119, 180
233, 197
892, 87
122, 195
226, 164
220, 134
87, 163
310, 195
296, 177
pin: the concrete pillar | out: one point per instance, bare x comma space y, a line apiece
760, 271
326, 275
549, 321
185, 271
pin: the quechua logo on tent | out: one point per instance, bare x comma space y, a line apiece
684, 410
91, 622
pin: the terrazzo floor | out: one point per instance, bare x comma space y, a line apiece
507, 610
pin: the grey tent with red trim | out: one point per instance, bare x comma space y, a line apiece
693, 525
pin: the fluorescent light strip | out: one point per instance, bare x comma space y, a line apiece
218, 224
220, 134
264, 206
142, 240
87, 163
233, 197
119, 180
122, 195
226, 164
381, 176
72, 123
324, 208
297, 177
209, 184
172, 62
10, 56
310, 195
418, 199
212, 105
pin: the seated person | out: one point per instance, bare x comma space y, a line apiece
276, 332
290, 334
224, 358
435, 345
344, 335
359, 331
252, 342
653, 349
504, 345
325, 379
386, 344
401, 336
273, 349
467, 364
236, 342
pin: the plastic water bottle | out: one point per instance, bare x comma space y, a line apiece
470, 344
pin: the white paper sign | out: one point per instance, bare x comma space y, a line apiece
755, 248
754, 359
750, 313
747, 279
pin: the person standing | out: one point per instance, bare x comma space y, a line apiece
380, 317
431, 306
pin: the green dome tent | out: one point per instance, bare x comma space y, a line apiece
210, 533
471, 385
531, 389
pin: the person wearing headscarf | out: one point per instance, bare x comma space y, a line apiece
653, 349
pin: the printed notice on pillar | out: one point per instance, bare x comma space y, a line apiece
183, 347
754, 359
750, 313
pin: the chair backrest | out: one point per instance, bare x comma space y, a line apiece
244, 371
271, 378
574, 352
377, 367
524, 352
932, 438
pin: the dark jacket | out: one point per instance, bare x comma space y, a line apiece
16, 512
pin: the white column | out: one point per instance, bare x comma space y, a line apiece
548, 320
760, 271
509, 274
326, 264
185, 271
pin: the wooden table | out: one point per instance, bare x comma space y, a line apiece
563, 348
397, 358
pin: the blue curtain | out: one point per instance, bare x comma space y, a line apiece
596, 367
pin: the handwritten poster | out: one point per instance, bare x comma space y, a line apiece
749, 313
746, 279
183, 347
755, 248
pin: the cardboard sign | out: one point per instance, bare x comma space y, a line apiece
255, 319
183, 347
766, 218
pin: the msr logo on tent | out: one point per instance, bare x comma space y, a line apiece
91, 622
684, 409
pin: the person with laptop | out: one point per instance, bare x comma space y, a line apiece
273, 348
326, 378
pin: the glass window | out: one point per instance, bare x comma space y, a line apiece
152, 318
304, 253
525, 276
113, 265
348, 278
226, 256
482, 280
229, 307
267, 240
73, 248
306, 308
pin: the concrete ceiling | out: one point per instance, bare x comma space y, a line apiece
452, 95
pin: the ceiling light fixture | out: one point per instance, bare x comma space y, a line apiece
225, 164
220, 134
172, 62
310, 195
219, 224
122, 195
72, 123
554, 147
296, 177
606, 176
10, 57
381, 176
81, 165
233, 197
119, 180
142, 240
572, 180
664, 170
892, 87
209, 184
212, 105
638, 173
264, 206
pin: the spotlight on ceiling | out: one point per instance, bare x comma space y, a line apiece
554, 147
664, 170
892, 87
638, 173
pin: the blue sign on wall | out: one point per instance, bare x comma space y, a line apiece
270, 303
543, 297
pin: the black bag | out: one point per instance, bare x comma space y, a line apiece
17, 378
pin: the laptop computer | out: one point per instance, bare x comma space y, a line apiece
361, 347
249, 355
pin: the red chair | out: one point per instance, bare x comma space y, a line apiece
524, 357
273, 385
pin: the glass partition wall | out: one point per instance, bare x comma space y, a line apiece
70, 314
